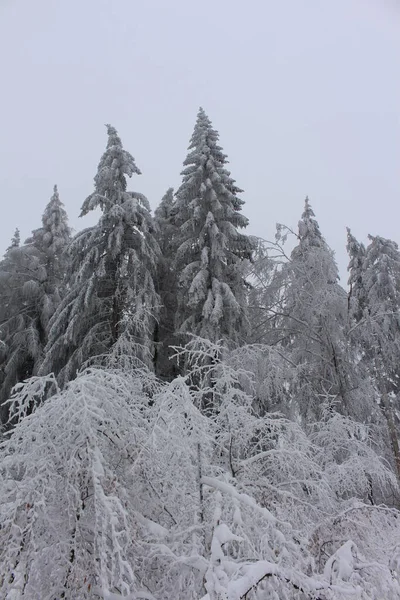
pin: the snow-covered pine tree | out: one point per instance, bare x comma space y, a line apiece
55, 234
379, 329
162, 217
32, 285
166, 232
381, 280
357, 320
19, 345
210, 248
15, 240
357, 300
112, 268
313, 320
52, 241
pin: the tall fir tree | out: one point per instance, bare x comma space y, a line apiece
357, 299
210, 250
52, 241
379, 329
112, 267
32, 285
313, 321
166, 232
15, 240
19, 343
163, 218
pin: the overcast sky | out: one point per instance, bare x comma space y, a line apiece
305, 95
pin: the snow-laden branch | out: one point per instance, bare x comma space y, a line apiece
262, 570
229, 489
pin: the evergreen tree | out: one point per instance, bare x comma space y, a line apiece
32, 284
55, 234
357, 320
313, 320
15, 240
210, 249
163, 218
357, 300
166, 286
20, 278
112, 267
379, 332
51, 241
381, 280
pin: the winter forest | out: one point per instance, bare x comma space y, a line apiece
192, 413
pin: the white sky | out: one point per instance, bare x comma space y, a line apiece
305, 95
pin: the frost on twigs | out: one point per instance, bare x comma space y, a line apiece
27, 396
65, 501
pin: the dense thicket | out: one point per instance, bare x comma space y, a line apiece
192, 413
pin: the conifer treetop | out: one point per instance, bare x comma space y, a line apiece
309, 232
54, 235
199, 137
163, 211
382, 274
210, 249
15, 240
206, 158
110, 179
356, 252
313, 247
354, 247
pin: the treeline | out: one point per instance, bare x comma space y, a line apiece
192, 412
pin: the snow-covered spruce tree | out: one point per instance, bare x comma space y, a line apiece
15, 240
19, 347
32, 285
357, 299
312, 320
210, 249
359, 339
378, 330
164, 221
166, 232
112, 267
52, 240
